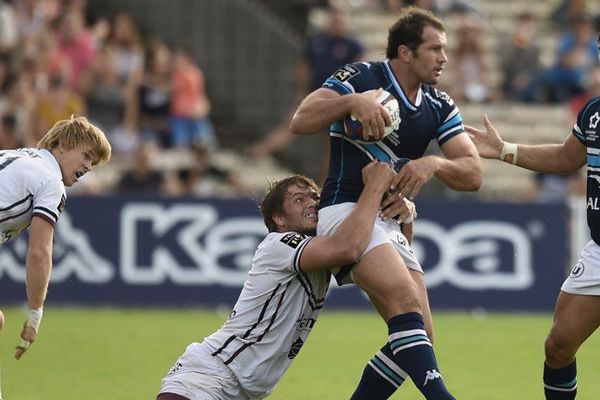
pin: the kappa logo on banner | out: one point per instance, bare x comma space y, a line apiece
72, 255
187, 244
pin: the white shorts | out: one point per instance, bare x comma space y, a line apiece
197, 375
584, 278
384, 232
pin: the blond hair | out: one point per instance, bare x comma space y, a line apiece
77, 132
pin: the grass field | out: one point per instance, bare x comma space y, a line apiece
122, 354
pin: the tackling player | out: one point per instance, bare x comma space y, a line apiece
32, 182
577, 311
283, 294
416, 58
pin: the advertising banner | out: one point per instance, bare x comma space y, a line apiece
147, 251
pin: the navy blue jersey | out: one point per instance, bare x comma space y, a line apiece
587, 130
433, 116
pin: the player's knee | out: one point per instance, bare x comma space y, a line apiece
403, 300
559, 352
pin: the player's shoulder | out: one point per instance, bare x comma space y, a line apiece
437, 97
357, 69
592, 105
280, 242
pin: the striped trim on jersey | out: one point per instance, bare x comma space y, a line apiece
261, 317
46, 214
388, 369
313, 302
14, 211
406, 339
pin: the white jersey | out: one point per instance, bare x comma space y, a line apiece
273, 316
30, 184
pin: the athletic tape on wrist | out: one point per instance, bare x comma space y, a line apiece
24, 344
509, 153
34, 317
411, 217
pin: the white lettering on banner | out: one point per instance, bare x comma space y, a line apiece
592, 203
200, 236
72, 255
479, 241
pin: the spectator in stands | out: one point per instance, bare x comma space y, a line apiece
149, 99
565, 10
59, 103
326, 50
9, 30
33, 18
17, 100
141, 178
125, 39
470, 69
190, 106
204, 178
9, 136
77, 44
520, 57
105, 95
577, 55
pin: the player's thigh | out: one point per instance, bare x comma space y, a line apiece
382, 274
419, 280
576, 317
197, 375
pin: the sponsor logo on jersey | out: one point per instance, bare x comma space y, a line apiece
346, 72
431, 375
577, 270
61, 205
594, 119
293, 239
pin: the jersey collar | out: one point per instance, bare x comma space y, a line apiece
52, 161
407, 103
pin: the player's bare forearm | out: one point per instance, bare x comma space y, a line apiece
318, 110
355, 232
38, 275
461, 174
552, 158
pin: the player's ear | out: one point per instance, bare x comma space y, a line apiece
404, 53
279, 220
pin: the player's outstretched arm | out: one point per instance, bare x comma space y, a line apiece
348, 243
549, 158
39, 265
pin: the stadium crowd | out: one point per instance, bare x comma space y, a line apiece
58, 58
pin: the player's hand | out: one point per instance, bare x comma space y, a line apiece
377, 176
488, 143
28, 336
413, 175
371, 114
394, 205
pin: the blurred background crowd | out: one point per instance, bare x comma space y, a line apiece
196, 95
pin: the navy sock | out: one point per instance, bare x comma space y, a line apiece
413, 353
381, 377
560, 384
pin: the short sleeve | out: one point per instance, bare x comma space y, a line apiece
49, 200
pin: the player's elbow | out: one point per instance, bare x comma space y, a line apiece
298, 126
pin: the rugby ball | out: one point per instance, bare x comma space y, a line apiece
354, 129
